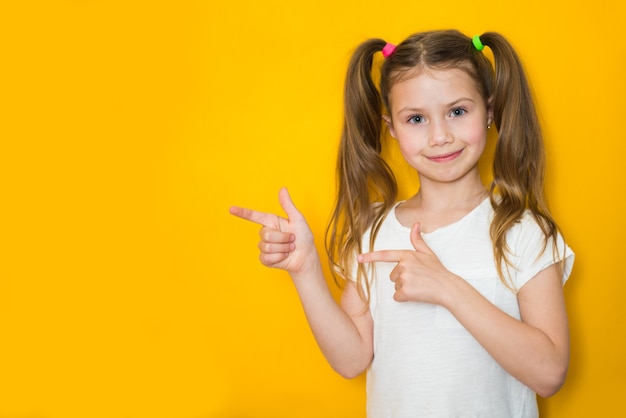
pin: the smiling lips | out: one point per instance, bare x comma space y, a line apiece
445, 157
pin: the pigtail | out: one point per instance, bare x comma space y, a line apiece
519, 158
363, 177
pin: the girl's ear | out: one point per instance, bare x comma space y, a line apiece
490, 111
387, 120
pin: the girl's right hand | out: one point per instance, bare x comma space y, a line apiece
286, 243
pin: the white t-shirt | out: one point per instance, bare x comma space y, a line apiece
425, 363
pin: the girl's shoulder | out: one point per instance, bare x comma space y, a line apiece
527, 237
527, 226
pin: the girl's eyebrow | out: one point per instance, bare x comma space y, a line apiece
462, 99
410, 109
451, 104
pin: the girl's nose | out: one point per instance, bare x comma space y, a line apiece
439, 133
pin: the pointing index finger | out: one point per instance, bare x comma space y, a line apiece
261, 218
389, 256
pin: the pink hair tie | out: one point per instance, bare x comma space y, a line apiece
388, 50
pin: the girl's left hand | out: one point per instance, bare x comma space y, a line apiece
419, 275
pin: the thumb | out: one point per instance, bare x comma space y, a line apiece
416, 238
288, 206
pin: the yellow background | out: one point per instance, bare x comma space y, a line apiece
128, 128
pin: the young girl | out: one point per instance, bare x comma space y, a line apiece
453, 299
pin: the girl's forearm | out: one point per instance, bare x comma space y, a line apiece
346, 350
524, 351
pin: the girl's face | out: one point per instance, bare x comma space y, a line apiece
440, 121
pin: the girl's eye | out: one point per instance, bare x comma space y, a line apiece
458, 112
416, 119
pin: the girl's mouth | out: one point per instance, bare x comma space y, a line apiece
444, 158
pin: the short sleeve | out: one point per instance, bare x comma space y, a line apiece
528, 256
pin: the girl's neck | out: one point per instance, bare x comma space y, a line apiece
450, 196
440, 205
430, 200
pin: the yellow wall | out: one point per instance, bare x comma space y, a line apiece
129, 127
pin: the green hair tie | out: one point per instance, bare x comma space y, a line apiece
477, 44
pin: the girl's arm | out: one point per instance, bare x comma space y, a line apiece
534, 350
343, 333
